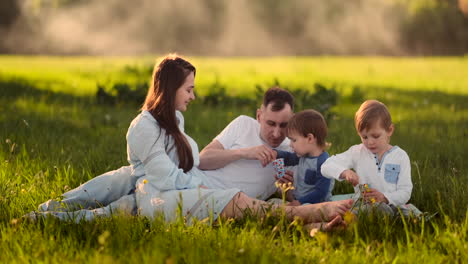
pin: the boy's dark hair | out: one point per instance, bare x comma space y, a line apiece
309, 122
278, 98
370, 113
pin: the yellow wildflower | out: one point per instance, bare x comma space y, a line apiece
103, 237
321, 237
372, 200
366, 187
349, 217
284, 186
277, 184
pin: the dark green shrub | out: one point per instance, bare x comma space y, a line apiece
357, 96
322, 99
122, 93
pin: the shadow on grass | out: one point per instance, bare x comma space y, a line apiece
415, 99
60, 129
13, 88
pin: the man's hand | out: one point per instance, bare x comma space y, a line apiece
372, 195
262, 153
350, 176
294, 203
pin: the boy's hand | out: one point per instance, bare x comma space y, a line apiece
350, 176
372, 195
288, 177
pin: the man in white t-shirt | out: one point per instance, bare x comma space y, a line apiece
238, 156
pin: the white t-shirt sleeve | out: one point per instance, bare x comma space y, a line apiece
231, 132
404, 185
336, 164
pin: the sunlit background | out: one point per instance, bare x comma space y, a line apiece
74, 74
235, 28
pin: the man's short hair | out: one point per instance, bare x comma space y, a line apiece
278, 98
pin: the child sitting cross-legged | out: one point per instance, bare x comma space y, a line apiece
383, 169
307, 131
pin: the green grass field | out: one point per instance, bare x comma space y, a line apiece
54, 136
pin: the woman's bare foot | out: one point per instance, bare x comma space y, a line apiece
334, 224
336, 208
325, 212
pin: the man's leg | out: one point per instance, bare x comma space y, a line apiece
97, 192
310, 213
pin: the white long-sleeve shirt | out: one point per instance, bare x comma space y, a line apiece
152, 154
391, 175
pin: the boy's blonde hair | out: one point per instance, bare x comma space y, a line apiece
309, 122
370, 113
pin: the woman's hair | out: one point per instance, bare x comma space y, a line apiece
168, 76
309, 122
370, 113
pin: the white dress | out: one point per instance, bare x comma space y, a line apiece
162, 187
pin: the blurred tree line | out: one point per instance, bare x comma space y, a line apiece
426, 27
435, 27
9, 12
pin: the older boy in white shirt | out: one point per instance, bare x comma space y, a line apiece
384, 168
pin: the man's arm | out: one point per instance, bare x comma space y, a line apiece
214, 156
